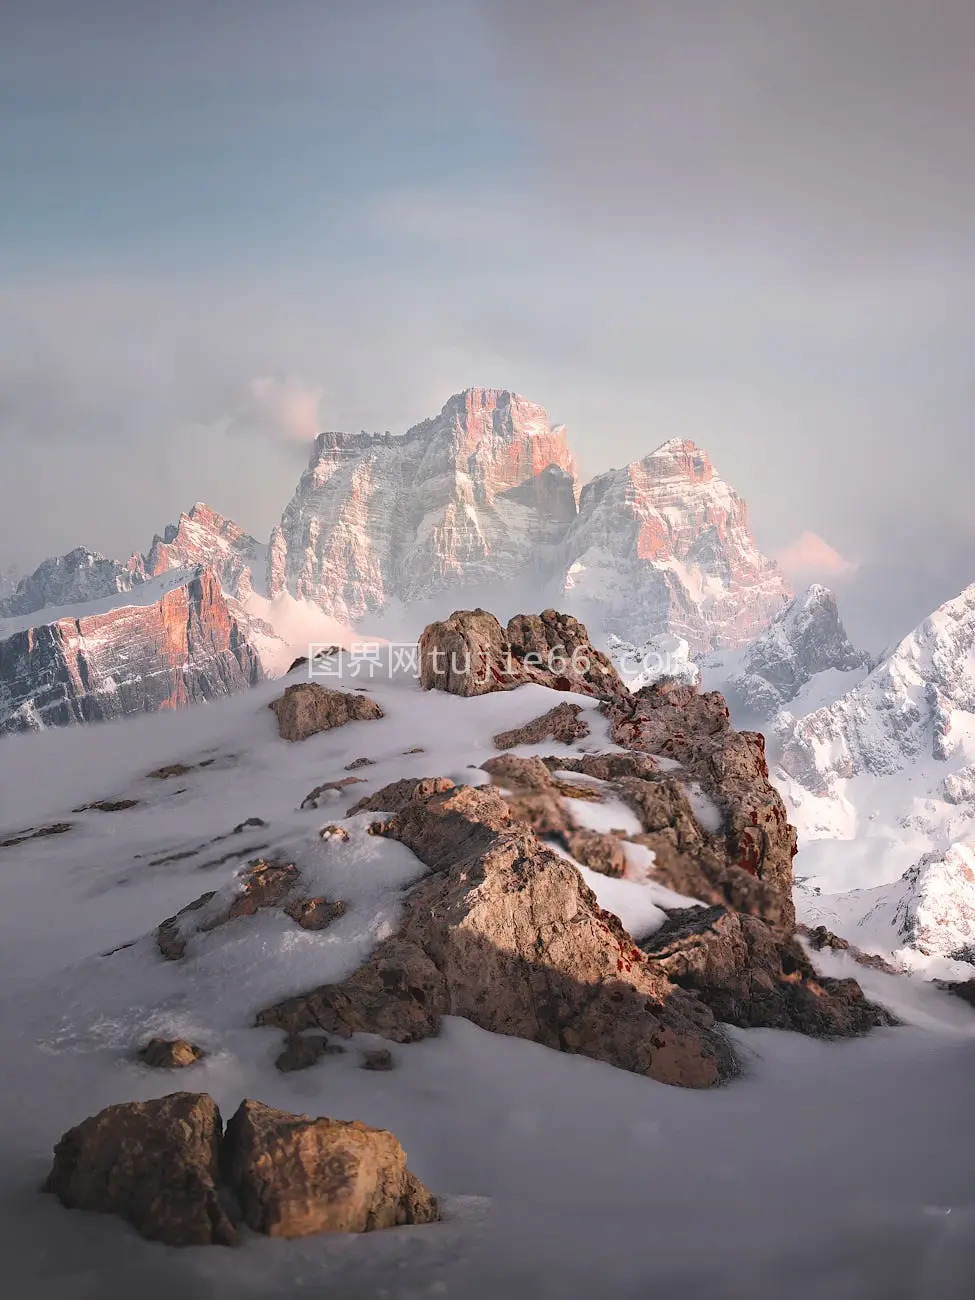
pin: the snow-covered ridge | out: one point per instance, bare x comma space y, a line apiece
880, 784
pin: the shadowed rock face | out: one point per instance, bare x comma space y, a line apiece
185, 648
166, 1167
750, 978
505, 933
154, 1163
694, 729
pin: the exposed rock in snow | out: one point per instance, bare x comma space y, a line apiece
664, 545
465, 498
173, 641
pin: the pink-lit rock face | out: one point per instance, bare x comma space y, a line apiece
664, 544
205, 537
465, 498
185, 647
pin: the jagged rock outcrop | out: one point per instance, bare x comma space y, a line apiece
294, 1176
751, 978
664, 545
471, 654
805, 639
505, 933
184, 646
169, 1169
307, 708
465, 498
154, 1163
204, 537
73, 579
694, 729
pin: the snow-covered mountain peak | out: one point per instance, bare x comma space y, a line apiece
805, 641
664, 545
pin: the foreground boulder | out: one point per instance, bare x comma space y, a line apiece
306, 708
168, 1169
154, 1163
504, 932
294, 1176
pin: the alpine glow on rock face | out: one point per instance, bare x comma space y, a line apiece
483, 857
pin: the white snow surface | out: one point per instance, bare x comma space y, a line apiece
839, 1170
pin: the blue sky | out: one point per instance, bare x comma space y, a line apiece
749, 224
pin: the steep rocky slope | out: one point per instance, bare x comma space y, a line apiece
172, 642
72, 579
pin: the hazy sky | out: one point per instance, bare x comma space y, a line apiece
225, 223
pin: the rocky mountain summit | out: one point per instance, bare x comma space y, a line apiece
486, 493
664, 545
465, 498
804, 640
482, 499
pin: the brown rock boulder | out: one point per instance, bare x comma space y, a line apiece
154, 1163
306, 708
467, 654
169, 1054
554, 649
752, 979
471, 654
562, 724
505, 933
294, 1176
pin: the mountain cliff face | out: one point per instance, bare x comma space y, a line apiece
664, 545
486, 493
205, 537
176, 644
466, 497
